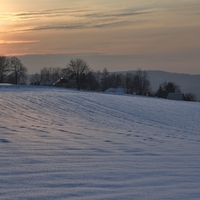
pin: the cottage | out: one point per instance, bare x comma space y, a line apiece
176, 96
61, 82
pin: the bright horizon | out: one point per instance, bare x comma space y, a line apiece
119, 35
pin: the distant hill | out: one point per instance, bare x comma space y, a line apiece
188, 83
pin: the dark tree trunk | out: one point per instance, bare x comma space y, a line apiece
15, 76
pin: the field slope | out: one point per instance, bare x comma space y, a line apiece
64, 144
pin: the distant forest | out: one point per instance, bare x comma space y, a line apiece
79, 75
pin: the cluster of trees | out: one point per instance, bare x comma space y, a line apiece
12, 70
166, 88
170, 87
82, 77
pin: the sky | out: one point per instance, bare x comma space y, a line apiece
118, 35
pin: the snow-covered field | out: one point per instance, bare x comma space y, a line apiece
65, 144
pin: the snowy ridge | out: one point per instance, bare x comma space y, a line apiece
64, 144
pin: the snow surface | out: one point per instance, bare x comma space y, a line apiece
65, 144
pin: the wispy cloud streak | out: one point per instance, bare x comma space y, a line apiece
71, 19
18, 42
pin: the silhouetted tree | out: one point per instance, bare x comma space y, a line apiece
18, 72
167, 87
4, 68
129, 82
115, 80
161, 92
35, 79
172, 87
48, 75
141, 83
119, 81
190, 97
97, 76
78, 70
112, 81
90, 82
56, 73
45, 76
104, 80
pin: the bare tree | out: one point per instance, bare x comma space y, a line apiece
91, 82
105, 79
119, 81
129, 82
167, 87
4, 67
45, 75
172, 87
78, 70
18, 72
56, 73
35, 79
97, 75
141, 83
190, 97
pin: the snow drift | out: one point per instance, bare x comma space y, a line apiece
64, 144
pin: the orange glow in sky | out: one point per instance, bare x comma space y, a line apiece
154, 30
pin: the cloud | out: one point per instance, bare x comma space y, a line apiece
49, 13
71, 18
77, 13
18, 41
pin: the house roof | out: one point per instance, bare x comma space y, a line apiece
61, 80
176, 96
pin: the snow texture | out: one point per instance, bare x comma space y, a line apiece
65, 144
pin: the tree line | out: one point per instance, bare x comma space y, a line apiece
12, 70
82, 77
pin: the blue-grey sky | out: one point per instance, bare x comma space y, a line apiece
119, 35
